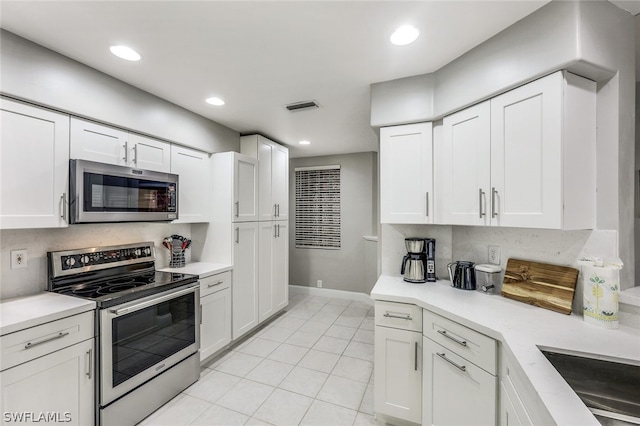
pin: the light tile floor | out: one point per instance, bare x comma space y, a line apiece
313, 365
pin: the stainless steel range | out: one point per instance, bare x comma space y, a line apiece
147, 326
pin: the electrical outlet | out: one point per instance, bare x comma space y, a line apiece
494, 255
319, 284
18, 259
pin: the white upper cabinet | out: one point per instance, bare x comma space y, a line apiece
461, 169
523, 159
192, 168
273, 176
149, 154
104, 144
34, 172
234, 186
406, 178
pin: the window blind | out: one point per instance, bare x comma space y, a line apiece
318, 207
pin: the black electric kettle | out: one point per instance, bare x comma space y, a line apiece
463, 276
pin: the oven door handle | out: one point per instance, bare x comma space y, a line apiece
155, 301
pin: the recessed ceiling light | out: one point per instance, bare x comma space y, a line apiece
404, 35
215, 101
125, 52
304, 143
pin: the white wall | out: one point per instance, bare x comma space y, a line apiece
341, 269
594, 39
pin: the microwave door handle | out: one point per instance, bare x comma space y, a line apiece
152, 302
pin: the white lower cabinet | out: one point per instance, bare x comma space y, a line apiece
398, 361
460, 368
273, 268
215, 305
456, 392
245, 278
48, 373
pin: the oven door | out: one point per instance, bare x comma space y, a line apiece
143, 338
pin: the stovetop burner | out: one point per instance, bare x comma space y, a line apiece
111, 275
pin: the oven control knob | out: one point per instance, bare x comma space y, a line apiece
70, 261
138, 252
147, 251
84, 259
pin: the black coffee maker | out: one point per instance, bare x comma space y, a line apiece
418, 265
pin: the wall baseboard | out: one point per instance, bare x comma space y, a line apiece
327, 292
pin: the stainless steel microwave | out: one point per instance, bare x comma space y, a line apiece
108, 193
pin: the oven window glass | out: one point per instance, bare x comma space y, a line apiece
144, 338
104, 193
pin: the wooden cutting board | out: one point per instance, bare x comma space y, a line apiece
540, 284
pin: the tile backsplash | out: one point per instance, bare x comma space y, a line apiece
37, 242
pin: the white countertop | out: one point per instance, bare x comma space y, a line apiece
28, 311
201, 269
522, 328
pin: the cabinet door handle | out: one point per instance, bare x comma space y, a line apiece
404, 317
494, 213
458, 366
200, 314
214, 284
275, 231
135, 154
57, 336
278, 230
460, 342
237, 235
63, 203
237, 204
89, 363
427, 204
415, 357
126, 152
480, 197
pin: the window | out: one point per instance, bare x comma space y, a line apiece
318, 207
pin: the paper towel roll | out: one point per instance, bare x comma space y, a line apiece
601, 287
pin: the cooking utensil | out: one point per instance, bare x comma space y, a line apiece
540, 284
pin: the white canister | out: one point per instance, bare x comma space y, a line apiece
488, 278
601, 287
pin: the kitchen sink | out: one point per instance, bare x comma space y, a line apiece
610, 389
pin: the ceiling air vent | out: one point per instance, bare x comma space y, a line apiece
300, 106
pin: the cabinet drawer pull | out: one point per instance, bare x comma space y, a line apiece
459, 367
480, 197
405, 317
214, 284
460, 342
57, 336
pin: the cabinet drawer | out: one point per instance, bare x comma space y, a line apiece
34, 342
215, 283
465, 342
399, 315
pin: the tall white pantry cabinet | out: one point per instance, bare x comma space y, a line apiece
273, 217
255, 233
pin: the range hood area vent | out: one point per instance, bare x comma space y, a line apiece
299, 106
